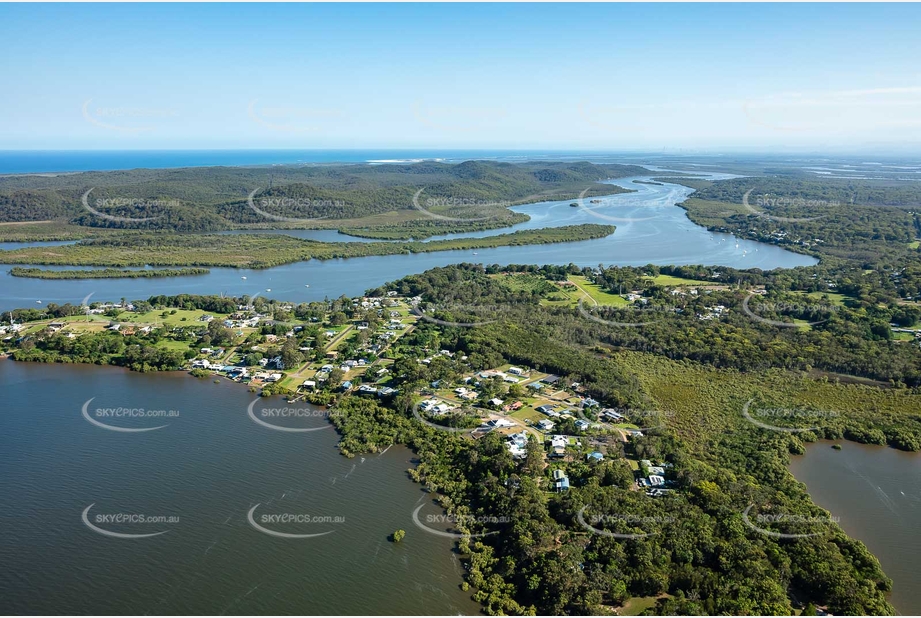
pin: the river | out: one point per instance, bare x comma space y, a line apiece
875, 491
651, 229
207, 467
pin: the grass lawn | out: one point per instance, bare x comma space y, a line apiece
291, 382
569, 296
171, 319
595, 292
178, 346
637, 605
835, 299
672, 281
914, 245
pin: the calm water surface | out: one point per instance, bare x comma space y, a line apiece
651, 229
207, 467
876, 493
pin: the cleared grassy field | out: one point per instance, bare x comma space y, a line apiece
635, 606
176, 346
589, 293
669, 280
835, 299
181, 316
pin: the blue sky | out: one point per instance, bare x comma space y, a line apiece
617, 77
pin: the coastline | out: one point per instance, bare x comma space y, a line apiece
860, 485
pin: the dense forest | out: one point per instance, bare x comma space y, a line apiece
872, 223
265, 250
105, 273
376, 199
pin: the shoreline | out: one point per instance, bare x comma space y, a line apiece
843, 487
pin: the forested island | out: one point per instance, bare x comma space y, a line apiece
264, 251
105, 273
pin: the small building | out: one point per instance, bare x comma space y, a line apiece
546, 425
561, 481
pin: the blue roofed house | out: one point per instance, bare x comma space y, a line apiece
561, 481
595, 456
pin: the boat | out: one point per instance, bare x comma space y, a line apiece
243, 278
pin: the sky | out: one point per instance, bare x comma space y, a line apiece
750, 77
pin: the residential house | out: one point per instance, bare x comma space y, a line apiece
561, 481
